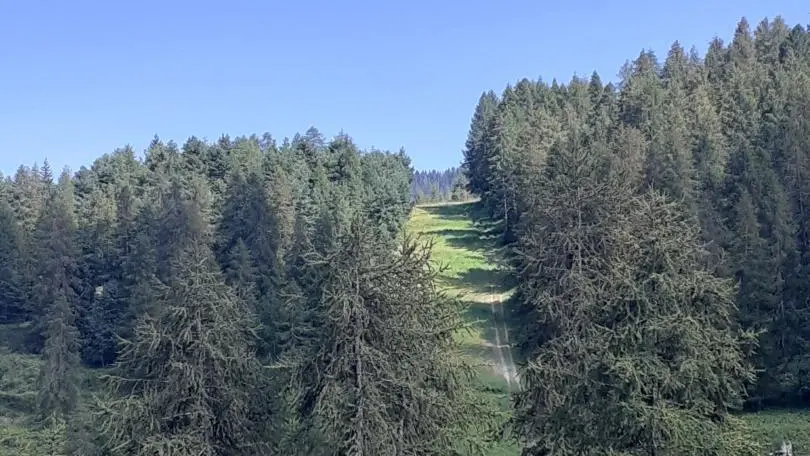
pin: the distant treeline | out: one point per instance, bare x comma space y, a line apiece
437, 186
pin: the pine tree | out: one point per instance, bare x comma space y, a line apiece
615, 308
677, 362
12, 305
383, 374
97, 312
669, 162
575, 207
387, 179
248, 216
476, 153
641, 93
56, 261
184, 382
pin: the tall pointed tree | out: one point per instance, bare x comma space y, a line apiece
12, 304
184, 382
620, 319
476, 154
56, 265
384, 374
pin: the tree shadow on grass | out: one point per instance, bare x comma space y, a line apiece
467, 240
454, 232
479, 312
450, 211
479, 280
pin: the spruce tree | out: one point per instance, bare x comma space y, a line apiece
631, 345
56, 267
476, 154
183, 383
12, 305
383, 374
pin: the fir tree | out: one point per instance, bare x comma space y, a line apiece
383, 375
616, 308
56, 261
476, 153
12, 306
184, 382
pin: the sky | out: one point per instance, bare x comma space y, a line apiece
81, 78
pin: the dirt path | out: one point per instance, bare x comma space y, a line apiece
470, 254
501, 346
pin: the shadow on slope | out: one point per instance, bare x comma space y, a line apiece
457, 211
480, 280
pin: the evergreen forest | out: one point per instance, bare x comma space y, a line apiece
246, 297
439, 186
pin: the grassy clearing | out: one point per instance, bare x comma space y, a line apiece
771, 427
465, 250
469, 253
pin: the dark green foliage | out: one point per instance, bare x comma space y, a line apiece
248, 217
477, 153
183, 271
435, 186
386, 179
631, 345
383, 374
12, 297
724, 136
249, 244
56, 267
184, 382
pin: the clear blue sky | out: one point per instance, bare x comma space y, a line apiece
80, 78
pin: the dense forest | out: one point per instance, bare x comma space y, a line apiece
661, 244
438, 186
245, 297
241, 297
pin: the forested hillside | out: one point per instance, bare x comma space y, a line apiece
660, 230
244, 297
239, 297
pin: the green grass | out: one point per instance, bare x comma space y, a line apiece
472, 257
18, 375
468, 254
771, 427
472, 271
20, 432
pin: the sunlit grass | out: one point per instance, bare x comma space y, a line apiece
468, 254
461, 248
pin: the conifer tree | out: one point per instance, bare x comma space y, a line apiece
12, 305
476, 153
383, 374
97, 312
248, 242
669, 163
184, 381
56, 265
631, 345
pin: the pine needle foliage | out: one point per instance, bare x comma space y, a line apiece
56, 270
385, 376
184, 383
637, 350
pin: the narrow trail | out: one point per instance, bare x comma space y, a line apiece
501, 346
469, 253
